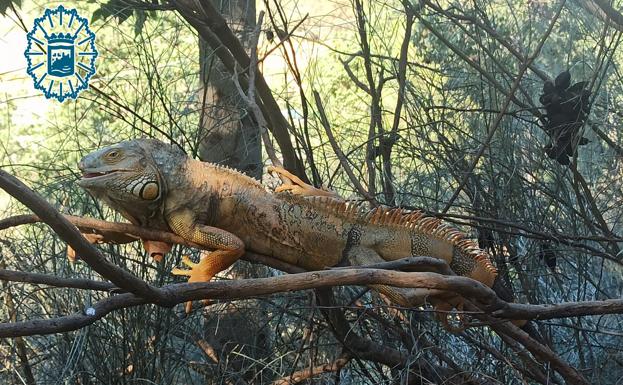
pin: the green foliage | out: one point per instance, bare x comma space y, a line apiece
6, 4
121, 11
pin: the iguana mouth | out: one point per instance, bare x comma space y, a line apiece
89, 175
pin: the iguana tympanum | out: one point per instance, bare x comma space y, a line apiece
156, 185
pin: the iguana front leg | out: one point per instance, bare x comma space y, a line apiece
297, 186
227, 247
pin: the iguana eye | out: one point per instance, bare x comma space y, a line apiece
113, 154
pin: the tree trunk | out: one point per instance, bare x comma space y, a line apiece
229, 135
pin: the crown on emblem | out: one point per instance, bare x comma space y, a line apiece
67, 38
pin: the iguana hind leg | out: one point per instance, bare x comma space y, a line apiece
297, 186
227, 247
442, 301
407, 297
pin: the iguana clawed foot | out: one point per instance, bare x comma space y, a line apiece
298, 187
156, 249
443, 311
210, 264
198, 272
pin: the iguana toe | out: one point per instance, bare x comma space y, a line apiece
294, 189
210, 265
186, 261
443, 310
186, 272
195, 274
198, 272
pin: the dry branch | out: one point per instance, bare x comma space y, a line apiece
480, 292
68, 233
250, 288
305, 374
52, 280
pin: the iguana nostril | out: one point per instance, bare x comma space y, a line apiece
81, 165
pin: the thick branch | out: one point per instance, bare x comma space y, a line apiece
113, 232
117, 232
505, 310
248, 288
68, 233
605, 11
71, 322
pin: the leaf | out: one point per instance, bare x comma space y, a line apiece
578, 87
548, 87
117, 8
120, 9
563, 80
139, 23
6, 4
100, 13
123, 14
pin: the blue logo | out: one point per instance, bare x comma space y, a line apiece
61, 53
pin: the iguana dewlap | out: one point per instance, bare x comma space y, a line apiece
156, 185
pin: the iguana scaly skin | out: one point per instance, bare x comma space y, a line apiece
156, 185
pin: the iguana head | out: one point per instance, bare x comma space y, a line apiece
128, 176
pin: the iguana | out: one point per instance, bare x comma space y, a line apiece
156, 185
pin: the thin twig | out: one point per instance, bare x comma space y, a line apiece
338, 151
498, 119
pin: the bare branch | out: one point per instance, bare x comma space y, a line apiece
52, 280
68, 233
305, 374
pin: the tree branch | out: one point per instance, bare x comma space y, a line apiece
68, 233
504, 309
51, 280
250, 288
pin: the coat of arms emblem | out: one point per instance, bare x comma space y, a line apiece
61, 59
61, 53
